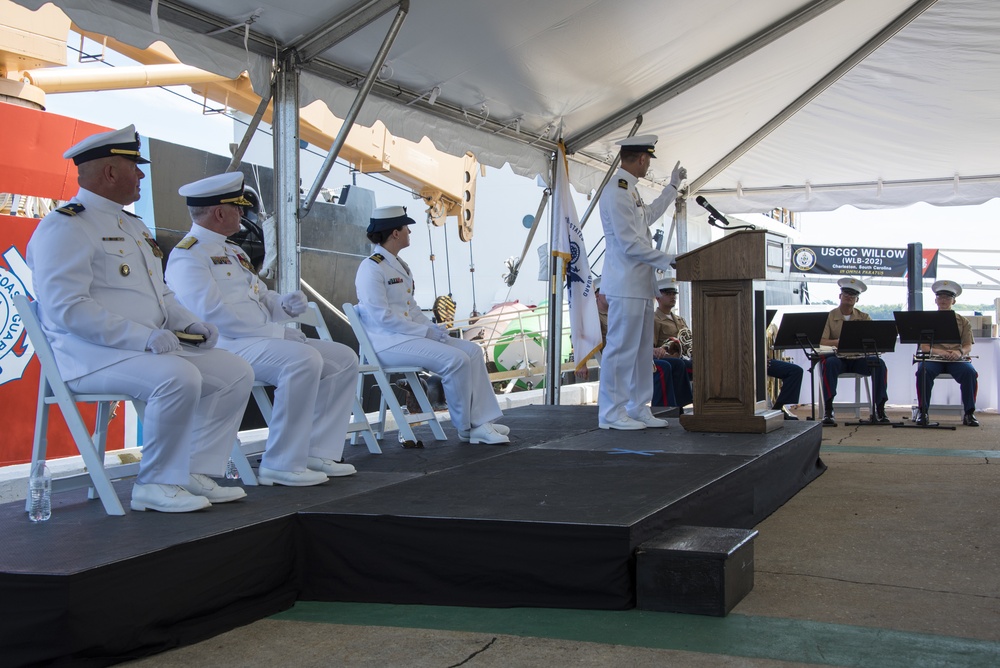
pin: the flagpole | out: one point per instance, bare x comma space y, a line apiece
553, 353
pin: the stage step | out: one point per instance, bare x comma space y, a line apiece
695, 570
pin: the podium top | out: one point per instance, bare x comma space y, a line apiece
743, 255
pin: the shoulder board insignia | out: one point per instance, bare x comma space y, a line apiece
71, 209
187, 242
623, 184
129, 213
378, 258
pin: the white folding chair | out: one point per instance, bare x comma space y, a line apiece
370, 365
52, 389
860, 382
358, 425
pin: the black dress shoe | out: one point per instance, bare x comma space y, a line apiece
787, 415
921, 420
969, 420
829, 421
880, 417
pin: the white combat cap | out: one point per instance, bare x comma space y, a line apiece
389, 218
123, 143
219, 189
666, 284
950, 288
639, 144
852, 286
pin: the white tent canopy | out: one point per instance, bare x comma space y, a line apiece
741, 92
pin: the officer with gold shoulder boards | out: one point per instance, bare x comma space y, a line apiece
949, 358
403, 336
314, 380
115, 326
629, 282
834, 365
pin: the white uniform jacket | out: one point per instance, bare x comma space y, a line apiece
630, 260
214, 278
388, 310
99, 285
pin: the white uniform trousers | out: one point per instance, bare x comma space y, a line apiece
314, 391
627, 363
467, 388
194, 404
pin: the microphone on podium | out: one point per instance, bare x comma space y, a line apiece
711, 209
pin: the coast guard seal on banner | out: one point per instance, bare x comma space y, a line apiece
804, 259
15, 349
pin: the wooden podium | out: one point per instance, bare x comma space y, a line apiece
729, 349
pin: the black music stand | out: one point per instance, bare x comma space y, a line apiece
802, 331
926, 328
871, 338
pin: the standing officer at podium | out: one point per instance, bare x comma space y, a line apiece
116, 328
834, 365
629, 283
952, 359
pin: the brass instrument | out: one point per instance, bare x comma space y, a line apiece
924, 357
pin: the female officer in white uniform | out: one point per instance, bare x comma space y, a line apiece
402, 335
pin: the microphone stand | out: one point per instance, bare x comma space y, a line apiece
813, 356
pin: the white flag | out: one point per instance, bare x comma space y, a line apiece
585, 325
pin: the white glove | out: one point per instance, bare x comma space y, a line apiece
206, 329
162, 341
678, 175
438, 333
292, 334
294, 303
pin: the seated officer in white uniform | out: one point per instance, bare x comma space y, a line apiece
314, 380
114, 326
949, 358
402, 335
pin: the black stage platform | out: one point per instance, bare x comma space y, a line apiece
552, 520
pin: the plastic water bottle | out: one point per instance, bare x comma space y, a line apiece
232, 473
40, 493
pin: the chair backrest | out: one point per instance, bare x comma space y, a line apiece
43, 350
365, 350
312, 317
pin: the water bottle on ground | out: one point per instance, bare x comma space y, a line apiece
40, 493
232, 473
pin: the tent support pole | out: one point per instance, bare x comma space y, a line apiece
352, 114
286, 178
265, 100
900, 22
681, 223
607, 177
553, 351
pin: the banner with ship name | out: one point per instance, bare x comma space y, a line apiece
858, 261
585, 324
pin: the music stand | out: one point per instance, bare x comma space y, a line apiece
802, 331
870, 338
926, 328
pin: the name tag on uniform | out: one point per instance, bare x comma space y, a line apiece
220, 259
394, 281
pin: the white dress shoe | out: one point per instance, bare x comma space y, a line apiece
166, 498
502, 429
266, 476
202, 485
651, 422
625, 424
331, 467
485, 433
